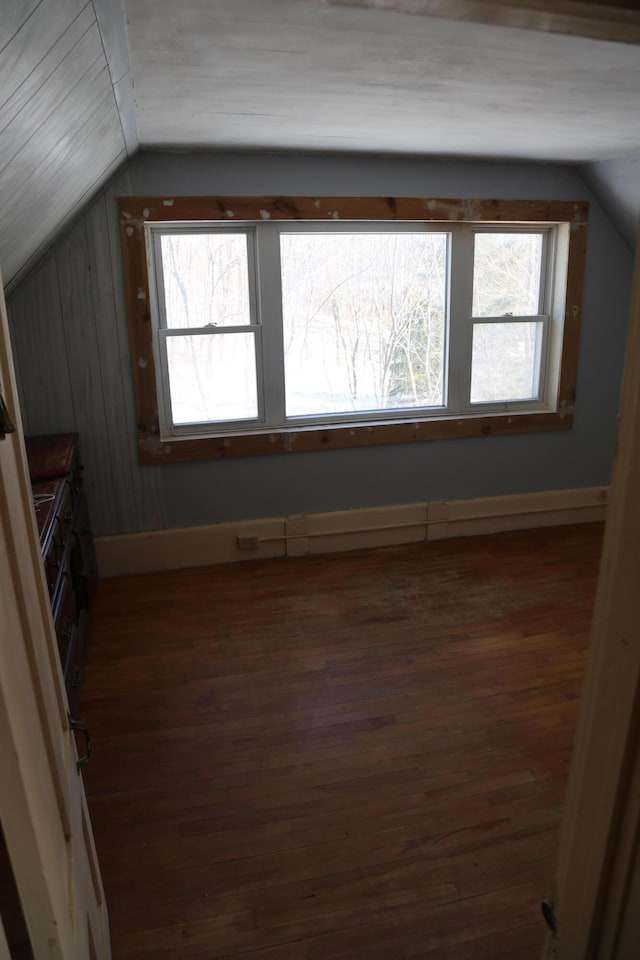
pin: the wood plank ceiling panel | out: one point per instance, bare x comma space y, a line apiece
38, 79
56, 138
60, 129
14, 14
37, 35
74, 184
68, 94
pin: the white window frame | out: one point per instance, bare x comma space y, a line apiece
162, 331
552, 290
263, 248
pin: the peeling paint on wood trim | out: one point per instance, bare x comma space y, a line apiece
153, 449
135, 212
597, 20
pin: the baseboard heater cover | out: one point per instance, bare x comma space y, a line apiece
316, 533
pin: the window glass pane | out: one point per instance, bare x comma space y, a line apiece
212, 377
506, 274
504, 365
206, 279
364, 321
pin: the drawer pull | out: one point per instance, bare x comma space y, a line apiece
78, 726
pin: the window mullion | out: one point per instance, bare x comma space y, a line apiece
460, 326
269, 286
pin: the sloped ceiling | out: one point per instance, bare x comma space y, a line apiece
61, 134
82, 81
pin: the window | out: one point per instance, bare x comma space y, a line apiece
259, 326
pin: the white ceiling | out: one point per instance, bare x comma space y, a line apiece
305, 75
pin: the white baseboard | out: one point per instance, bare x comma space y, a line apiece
343, 530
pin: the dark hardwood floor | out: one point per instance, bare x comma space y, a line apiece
352, 756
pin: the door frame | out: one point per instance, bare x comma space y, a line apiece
43, 807
599, 836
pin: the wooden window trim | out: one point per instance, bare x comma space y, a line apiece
137, 211
614, 20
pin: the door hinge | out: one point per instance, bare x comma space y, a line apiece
77, 726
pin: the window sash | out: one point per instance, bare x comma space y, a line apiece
162, 331
540, 365
164, 395
154, 235
547, 258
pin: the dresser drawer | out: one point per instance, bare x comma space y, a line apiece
65, 617
53, 557
87, 578
65, 510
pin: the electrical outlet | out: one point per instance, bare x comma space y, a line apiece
247, 543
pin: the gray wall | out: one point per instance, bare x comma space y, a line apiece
616, 183
70, 341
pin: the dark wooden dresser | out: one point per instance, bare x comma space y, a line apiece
67, 546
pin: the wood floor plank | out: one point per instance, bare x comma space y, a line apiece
336, 757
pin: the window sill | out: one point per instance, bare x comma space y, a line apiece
153, 449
